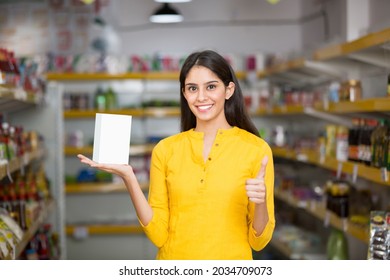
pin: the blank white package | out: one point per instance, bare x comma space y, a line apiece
112, 138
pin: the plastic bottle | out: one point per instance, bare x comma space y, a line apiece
100, 100
337, 246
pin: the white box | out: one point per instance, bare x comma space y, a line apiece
112, 138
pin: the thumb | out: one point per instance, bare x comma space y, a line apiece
263, 166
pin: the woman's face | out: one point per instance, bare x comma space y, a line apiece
206, 94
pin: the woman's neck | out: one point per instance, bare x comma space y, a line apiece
211, 129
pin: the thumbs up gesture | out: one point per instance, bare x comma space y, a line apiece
255, 188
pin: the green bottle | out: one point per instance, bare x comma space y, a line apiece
111, 102
337, 246
100, 100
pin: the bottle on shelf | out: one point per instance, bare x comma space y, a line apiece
111, 100
353, 140
337, 246
380, 145
100, 100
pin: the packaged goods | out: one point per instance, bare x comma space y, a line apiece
379, 245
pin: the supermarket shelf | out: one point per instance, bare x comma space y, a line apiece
74, 230
319, 211
99, 188
16, 163
369, 41
282, 67
78, 114
72, 77
14, 99
29, 234
366, 53
356, 169
147, 112
135, 150
372, 105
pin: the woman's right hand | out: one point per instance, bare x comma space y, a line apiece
121, 170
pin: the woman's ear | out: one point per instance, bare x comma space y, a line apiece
230, 90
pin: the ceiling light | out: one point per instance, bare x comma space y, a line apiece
172, 1
166, 14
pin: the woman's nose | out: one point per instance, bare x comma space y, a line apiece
202, 95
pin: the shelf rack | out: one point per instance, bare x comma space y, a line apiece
353, 168
318, 210
29, 234
103, 188
101, 229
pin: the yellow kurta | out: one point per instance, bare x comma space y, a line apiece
200, 209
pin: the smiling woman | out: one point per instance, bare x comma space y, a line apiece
211, 184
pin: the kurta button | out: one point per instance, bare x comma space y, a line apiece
209, 158
221, 132
217, 145
201, 180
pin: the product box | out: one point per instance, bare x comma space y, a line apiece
112, 138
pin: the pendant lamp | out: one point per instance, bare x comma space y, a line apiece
166, 14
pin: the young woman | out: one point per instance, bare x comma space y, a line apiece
211, 186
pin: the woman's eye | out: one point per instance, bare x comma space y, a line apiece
211, 87
191, 88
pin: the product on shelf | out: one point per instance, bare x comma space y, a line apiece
337, 245
10, 235
379, 245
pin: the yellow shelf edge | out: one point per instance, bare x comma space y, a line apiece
103, 187
282, 67
365, 42
135, 150
105, 229
311, 156
169, 75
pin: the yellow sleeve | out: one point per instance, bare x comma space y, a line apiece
157, 229
259, 242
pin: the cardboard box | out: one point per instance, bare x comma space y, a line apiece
112, 138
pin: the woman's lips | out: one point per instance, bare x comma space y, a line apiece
204, 108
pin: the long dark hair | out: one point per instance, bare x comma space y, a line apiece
235, 110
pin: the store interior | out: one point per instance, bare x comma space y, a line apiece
316, 80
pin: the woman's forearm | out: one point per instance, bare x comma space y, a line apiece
260, 218
141, 205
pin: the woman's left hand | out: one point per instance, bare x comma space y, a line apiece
255, 188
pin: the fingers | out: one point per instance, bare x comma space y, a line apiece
255, 187
263, 167
86, 160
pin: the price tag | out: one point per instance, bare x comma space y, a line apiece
355, 173
327, 218
339, 170
80, 233
26, 158
345, 224
9, 173
384, 174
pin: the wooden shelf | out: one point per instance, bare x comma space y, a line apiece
147, 112
29, 234
135, 150
80, 188
16, 163
318, 210
282, 67
361, 106
317, 67
15, 99
103, 229
311, 156
72, 77
78, 114
363, 43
